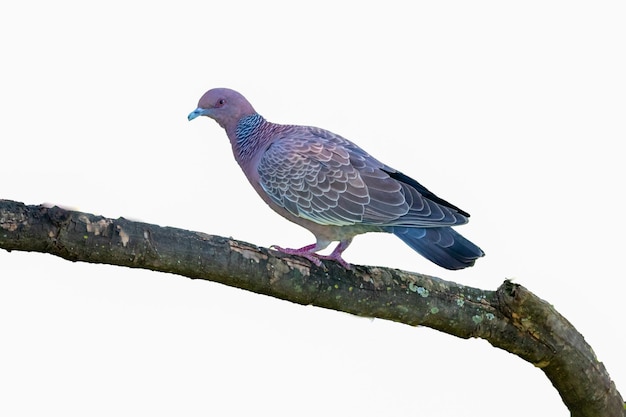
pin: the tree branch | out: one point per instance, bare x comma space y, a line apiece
511, 318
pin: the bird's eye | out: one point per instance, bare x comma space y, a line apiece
221, 102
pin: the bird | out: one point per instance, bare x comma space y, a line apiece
335, 189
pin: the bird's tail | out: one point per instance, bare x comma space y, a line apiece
441, 245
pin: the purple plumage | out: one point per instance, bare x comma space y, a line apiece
335, 189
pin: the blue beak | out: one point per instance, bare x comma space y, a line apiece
198, 112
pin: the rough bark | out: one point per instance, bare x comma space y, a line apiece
511, 318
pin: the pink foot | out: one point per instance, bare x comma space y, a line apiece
308, 252
305, 252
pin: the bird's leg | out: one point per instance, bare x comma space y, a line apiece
307, 252
336, 254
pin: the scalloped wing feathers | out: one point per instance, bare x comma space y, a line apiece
322, 177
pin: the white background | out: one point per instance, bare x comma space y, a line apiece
514, 112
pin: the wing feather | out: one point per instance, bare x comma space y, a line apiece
322, 177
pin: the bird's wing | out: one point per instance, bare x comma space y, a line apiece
322, 177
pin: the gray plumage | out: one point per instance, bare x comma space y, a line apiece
334, 188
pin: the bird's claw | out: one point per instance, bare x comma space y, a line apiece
315, 258
311, 256
337, 259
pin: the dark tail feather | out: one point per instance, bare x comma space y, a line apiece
441, 245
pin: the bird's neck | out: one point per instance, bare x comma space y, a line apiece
249, 136
247, 126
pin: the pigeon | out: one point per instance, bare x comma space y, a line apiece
330, 186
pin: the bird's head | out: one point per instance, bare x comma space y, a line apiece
223, 105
